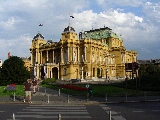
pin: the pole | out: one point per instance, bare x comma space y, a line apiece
45, 91
110, 115
106, 97
136, 82
68, 98
126, 96
59, 92
59, 116
48, 98
87, 96
14, 116
14, 97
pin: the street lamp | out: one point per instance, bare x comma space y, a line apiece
126, 81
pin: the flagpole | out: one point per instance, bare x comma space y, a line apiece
69, 19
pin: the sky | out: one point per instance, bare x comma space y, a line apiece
137, 21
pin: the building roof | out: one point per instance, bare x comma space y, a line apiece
38, 36
69, 29
99, 34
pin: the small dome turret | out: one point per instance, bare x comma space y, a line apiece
69, 29
38, 36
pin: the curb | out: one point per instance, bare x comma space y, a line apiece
74, 102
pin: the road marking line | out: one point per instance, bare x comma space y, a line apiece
106, 108
54, 112
63, 107
112, 112
103, 105
46, 110
56, 116
2, 111
155, 110
59, 105
138, 111
118, 118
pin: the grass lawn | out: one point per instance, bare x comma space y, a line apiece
102, 90
19, 91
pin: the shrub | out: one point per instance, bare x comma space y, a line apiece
49, 80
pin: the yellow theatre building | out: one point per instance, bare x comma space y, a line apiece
92, 54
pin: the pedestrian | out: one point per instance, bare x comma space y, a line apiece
27, 88
34, 83
90, 91
87, 86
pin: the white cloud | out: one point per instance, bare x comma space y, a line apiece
133, 3
19, 22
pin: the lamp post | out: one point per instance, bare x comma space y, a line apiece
126, 81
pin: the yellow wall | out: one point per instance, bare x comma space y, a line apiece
71, 57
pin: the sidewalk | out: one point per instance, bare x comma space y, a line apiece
50, 96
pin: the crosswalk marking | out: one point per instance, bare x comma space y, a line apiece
41, 116
52, 111
55, 112
118, 118
59, 107
114, 114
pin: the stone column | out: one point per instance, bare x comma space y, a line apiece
31, 58
47, 72
82, 74
58, 72
47, 55
51, 74
41, 58
72, 53
62, 55
78, 53
53, 57
36, 56
68, 54
85, 53
37, 72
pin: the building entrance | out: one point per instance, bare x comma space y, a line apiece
55, 73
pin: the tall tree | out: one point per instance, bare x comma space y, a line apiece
13, 71
149, 76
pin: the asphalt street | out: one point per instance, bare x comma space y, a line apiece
119, 111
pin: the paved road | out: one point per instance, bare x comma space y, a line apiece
51, 112
125, 111
136, 111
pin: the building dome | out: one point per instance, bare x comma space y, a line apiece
38, 36
69, 29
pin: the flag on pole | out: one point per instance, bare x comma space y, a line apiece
72, 16
40, 24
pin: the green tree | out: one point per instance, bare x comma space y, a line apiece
149, 77
13, 71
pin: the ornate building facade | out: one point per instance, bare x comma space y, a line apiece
87, 55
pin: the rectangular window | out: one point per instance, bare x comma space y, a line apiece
66, 36
65, 71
